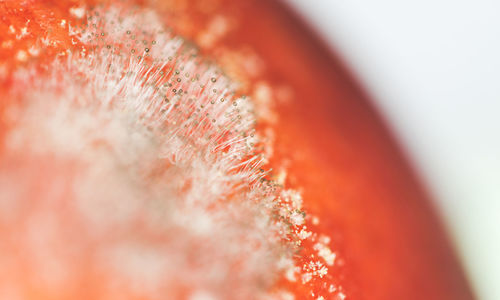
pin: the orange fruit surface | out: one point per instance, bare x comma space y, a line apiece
321, 134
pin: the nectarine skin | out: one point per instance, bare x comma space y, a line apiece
333, 144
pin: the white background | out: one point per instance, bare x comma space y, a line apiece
433, 68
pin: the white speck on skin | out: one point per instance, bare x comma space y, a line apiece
33, 51
322, 271
21, 56
24, 32
325, 253
304, 234
290, 273
306, 277
297, 218
77, 12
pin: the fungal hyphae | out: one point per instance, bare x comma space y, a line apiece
134, 165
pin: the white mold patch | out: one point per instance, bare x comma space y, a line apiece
143, 161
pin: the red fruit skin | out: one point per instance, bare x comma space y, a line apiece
353, 174
390, 242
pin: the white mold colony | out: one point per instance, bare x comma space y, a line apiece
147, 173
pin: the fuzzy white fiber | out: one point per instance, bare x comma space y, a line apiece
133, 161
